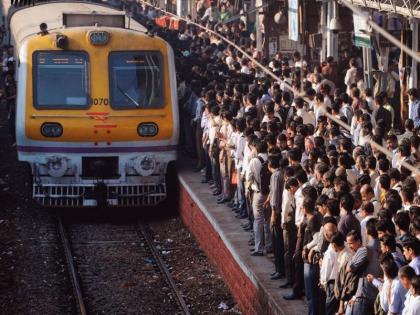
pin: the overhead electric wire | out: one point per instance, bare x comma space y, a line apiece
271, 74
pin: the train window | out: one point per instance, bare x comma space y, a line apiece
136, 79
60, 79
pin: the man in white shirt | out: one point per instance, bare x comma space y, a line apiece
253, 178
366, 213
350, 77
319, 106
303, 182
412, 302
240, 145
307, 117
368, 195
336, 256
406, 275
289, 228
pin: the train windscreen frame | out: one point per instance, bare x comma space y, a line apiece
136, 79
61, 80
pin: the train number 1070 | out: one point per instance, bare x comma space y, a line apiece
100, 101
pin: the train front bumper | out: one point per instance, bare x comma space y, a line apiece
99, 194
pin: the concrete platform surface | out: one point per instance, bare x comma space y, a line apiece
228, 249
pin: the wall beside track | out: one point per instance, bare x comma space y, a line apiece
229, 253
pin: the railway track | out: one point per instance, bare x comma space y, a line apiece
111, 265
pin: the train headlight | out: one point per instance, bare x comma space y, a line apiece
51, 130
57, 166
148, 129
145, 166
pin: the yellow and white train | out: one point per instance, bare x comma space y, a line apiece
96, 113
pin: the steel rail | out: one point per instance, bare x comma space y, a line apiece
142, 232
77, 288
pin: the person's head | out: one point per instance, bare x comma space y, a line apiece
337, 242
406, 274
273, 163
261, 146
384, 182
357, 199
407, 195
383, 165
371, 228
413, 94
411, 248
346, 202
391, 142
328, 179
367, 193
389, 267
240, 124
394, 176
354, 240
292, 185
294, 156
379, 100
371, 163
409, 125
301, 177
367, 209
308, 206
321, 204
333, 207
330, 227
388, 244
402, 221
404, 150
384, 227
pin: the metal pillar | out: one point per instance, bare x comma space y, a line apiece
323, 30
258, 26
332, 38
367, 66
182, 8
414, 25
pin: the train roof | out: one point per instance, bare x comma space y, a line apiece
25, 22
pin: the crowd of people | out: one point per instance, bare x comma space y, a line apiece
295, 158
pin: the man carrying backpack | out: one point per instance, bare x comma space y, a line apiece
258, 180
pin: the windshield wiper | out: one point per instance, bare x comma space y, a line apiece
128, 96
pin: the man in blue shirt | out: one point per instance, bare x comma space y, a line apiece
414, 107
412, 253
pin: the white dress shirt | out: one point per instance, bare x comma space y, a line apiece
299, 215
252, 174
326, 272
411, 304
239, 150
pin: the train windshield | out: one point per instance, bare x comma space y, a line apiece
60, 80
136, 79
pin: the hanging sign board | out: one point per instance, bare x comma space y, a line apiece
293, 20
361, 31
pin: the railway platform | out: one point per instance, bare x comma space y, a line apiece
226, 244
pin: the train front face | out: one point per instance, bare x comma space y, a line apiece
96, 117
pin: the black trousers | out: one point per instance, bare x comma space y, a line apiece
278, 247
298, 284
289, 241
